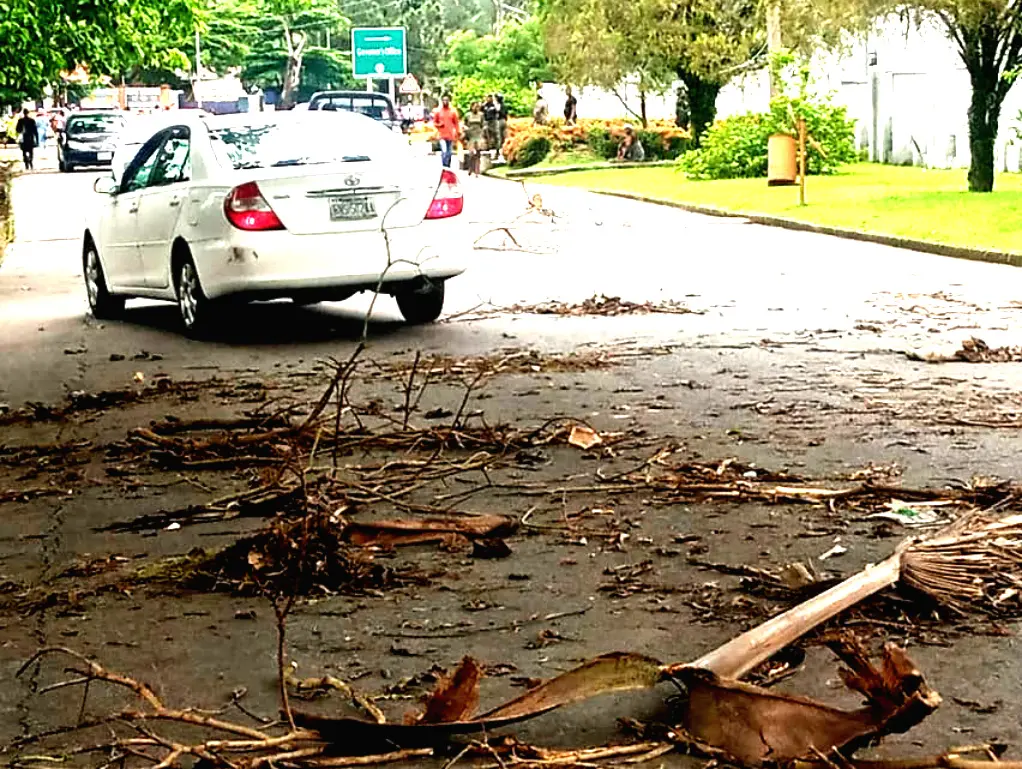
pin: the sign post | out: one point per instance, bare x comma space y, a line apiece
379, 53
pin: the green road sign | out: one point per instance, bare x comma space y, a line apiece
379, 52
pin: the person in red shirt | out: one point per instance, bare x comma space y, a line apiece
445, 118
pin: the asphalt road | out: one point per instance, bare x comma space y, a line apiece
750, 282
796, 361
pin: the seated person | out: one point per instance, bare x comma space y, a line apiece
631, 148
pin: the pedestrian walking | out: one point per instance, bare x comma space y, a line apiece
540, 112
445, 118
570, 107
490, 112
10, 134
475, 125
501, 124
28, 138
42, 128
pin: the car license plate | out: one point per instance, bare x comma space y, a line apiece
349, 208
104, 155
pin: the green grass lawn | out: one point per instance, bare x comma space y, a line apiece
930, 205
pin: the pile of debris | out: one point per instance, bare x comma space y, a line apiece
973, 350
598, 304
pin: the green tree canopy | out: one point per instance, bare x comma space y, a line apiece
701, 42
518, 55
42, 38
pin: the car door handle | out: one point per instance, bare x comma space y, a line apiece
133, 207
175, 201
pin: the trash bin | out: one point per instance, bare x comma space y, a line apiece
782, 168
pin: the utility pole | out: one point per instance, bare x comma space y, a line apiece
774, 41
198, 71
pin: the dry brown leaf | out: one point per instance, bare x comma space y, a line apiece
584, 437
455, 698
256, 560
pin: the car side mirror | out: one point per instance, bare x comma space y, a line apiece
106, 185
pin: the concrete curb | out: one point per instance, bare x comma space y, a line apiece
527, 172
925, 246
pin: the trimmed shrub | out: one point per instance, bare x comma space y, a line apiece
600, 142
736, 147
532, 151
661, 139
661, 145
521, 135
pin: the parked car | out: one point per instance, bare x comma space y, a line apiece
139, 128
310, 206
88, 139
377, 106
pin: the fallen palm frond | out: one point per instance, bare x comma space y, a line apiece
973, 565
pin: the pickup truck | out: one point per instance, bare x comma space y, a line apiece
378, 106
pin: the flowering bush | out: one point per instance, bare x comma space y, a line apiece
532, 151
662, 139
521, 135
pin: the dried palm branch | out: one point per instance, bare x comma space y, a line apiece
975, 564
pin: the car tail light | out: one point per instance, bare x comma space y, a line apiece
448, 200
247, 209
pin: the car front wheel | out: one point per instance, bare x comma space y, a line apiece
422, 305
195, 308
102, 303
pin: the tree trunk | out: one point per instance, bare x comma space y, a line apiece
702, 103
642, 108
984, 114
293, 72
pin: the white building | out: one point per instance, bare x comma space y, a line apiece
905, 87
908, 91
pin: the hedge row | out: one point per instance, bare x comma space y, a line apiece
526, 144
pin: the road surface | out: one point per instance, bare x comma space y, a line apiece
793, 359
750, 282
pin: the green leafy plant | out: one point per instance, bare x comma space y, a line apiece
737, 147
831, 134
734, 148
517, 99
601, 143
659, 146
531, 152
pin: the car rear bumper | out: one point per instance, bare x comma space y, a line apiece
87, 157
271, 264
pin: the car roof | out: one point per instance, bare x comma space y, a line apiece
95, 112
349, 93
302, 117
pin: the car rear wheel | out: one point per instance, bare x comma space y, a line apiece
103, 304
422, 305
195, 308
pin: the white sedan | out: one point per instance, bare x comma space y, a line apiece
311, 206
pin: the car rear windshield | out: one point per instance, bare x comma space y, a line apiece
93, 124
328, 139
368, 105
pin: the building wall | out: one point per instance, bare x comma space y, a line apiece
910, 106
598, 103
